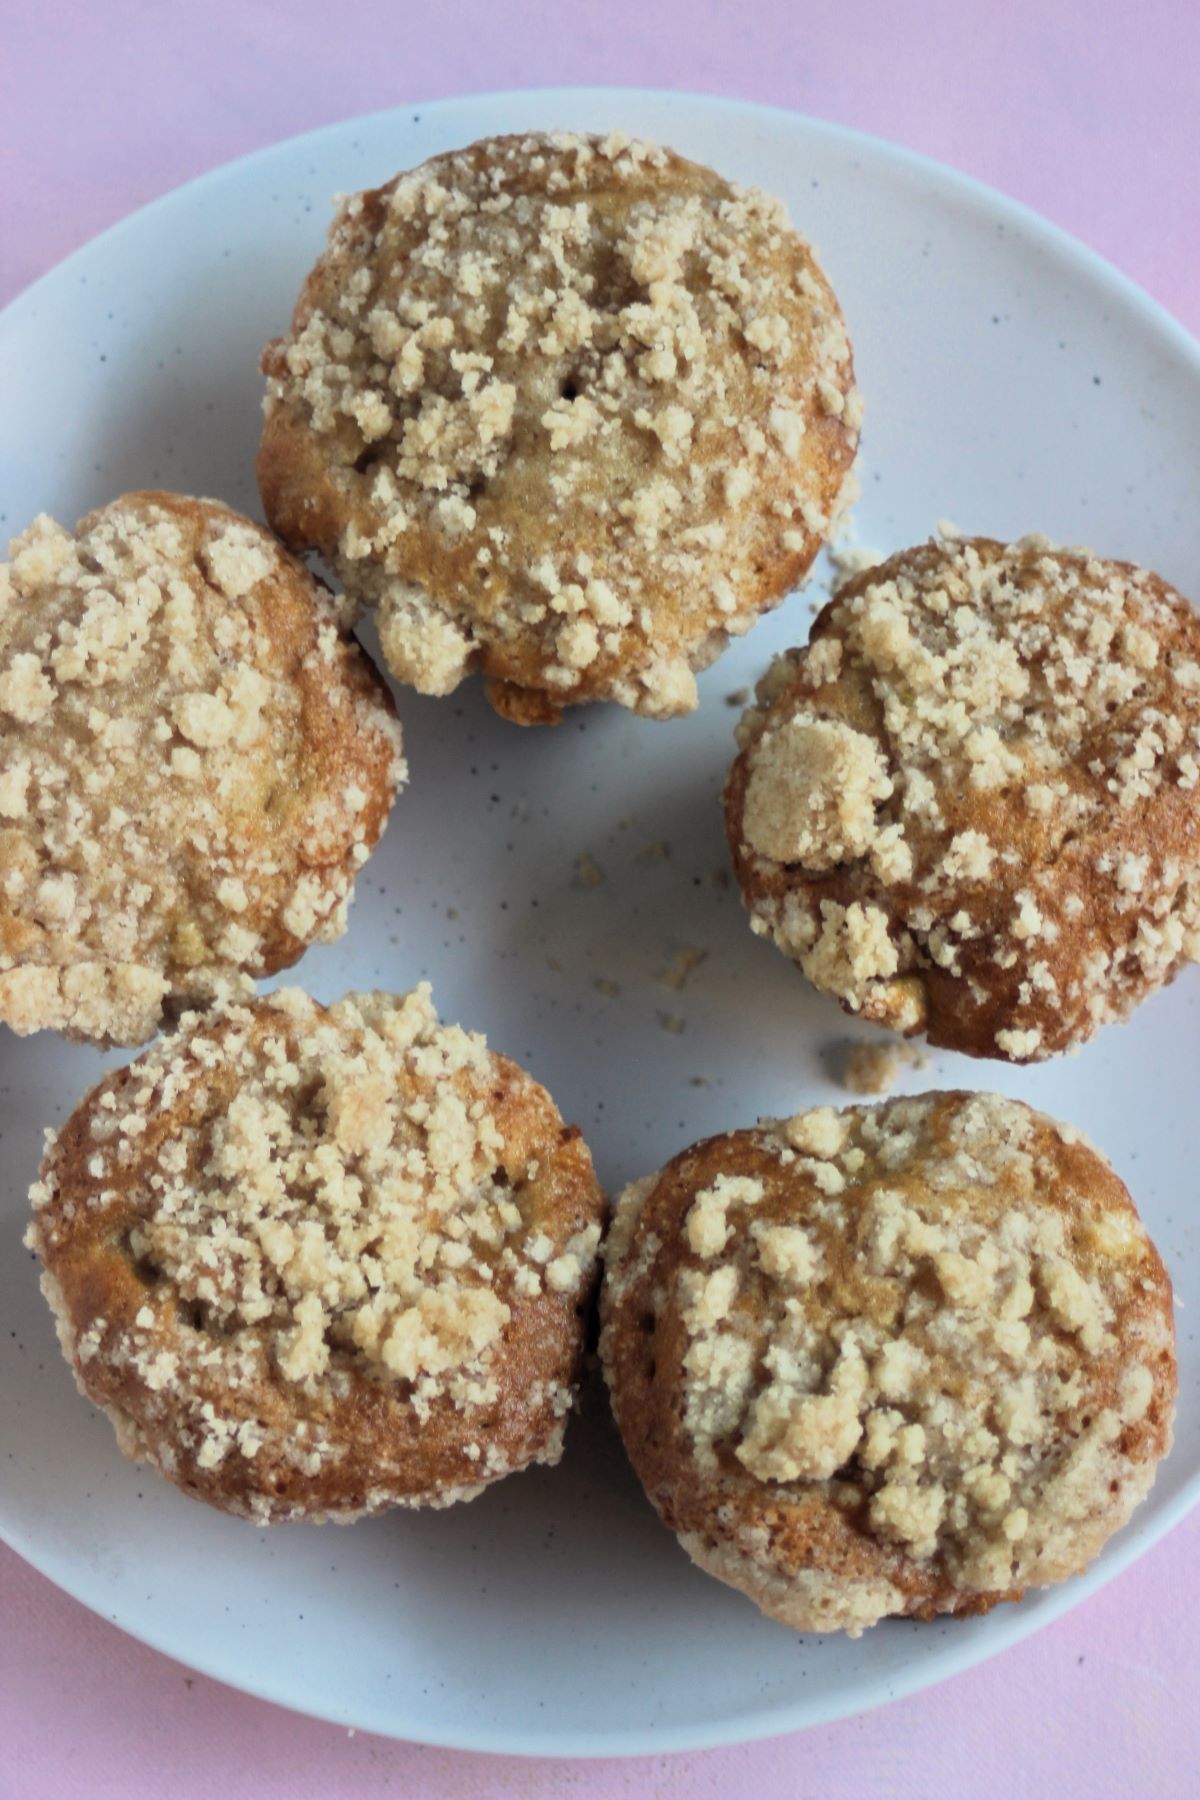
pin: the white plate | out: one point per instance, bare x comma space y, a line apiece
1013, 382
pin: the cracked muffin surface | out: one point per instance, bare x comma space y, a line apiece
908, 1359
567, 410
195, 761
970, 806
318, 1261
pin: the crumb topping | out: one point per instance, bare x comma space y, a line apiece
975, 791
945, 1334
194, 764
338, 1195
813, 791
542, 326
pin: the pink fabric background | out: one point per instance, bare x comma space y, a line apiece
1086, 110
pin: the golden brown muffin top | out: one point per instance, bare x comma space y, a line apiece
924, 1347
289, 1224
194, 763
571, 409
971, 803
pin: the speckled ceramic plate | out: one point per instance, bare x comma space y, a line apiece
1013, 382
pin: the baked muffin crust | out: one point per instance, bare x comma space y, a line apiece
314, 1262
970, 806
904, 1359
195, 762
569, 410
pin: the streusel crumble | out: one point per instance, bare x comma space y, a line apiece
569, 410
905, 1359
314, 1262
195, 762
971, 805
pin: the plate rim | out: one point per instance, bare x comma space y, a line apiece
774, 1719
1054, 236
1017, 1622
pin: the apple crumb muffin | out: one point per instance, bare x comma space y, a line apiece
195, 762
319, 1261
970, 806
907, 1359
568, 410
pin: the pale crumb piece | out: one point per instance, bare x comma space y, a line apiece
604, 986
813, 791
820, 1131
570, 1272
848, 954
705, 1227
588, 872
619, 1272
786, 1250
1021, 1046
789, 1437
422, 643
672, 1023
26, 693
848, 559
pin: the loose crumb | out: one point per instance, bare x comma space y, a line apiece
848, 559
682, 966
876, 1068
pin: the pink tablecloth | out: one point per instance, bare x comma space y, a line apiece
1086, 110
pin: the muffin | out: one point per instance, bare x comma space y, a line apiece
908, 1359
568, 410
970, 805
195, 762
315, 1262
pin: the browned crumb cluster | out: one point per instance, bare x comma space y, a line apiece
908, 1359
315, 1262
195, 761
569, 410
971, 806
